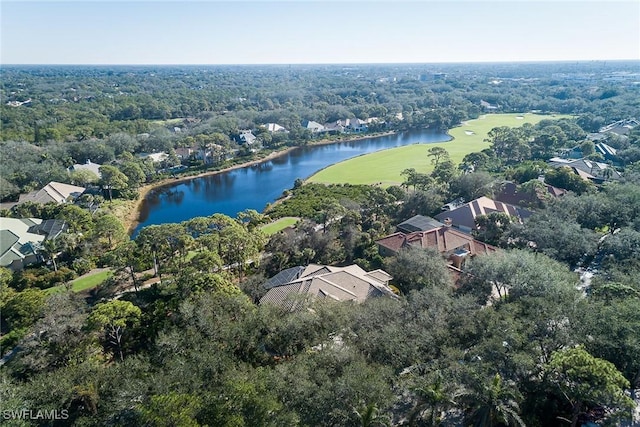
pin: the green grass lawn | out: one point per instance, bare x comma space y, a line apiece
280, 224
384, 167
82, 283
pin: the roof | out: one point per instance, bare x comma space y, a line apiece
587, 169
418, 223
444, 239
56, 192
350, 283
16, 242
274, 127
91, 167
155, 157
50, 228
605, 149
314, 126
509, 194
465, 215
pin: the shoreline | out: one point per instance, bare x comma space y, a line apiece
133, 219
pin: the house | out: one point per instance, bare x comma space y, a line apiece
606, 151
350, 283
53, 192
621, 127
89, 166
464, 217
154, 157
274, 128
487, 106
590, 170
509, 193
246, 137
418, 223
22, 239
454, 245
314, 127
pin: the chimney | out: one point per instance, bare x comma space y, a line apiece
448, 222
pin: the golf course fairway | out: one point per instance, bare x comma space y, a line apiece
384, 167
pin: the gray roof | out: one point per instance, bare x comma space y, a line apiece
349, 283
16, 241
419, 223
55, 192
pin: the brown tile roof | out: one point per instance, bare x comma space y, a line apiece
509, 194
444, 239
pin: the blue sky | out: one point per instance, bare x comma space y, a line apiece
270, 32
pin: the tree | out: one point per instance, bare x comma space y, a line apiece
587, 382
113, 179
493, 404
418, 268
172, 409
435, 395
564, 177
509, 144
437, 155
24, 308
83, 177
491, 228
78, 219
113, 319
134, 173
110, 227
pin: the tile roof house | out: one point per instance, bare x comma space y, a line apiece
454, 245
55, 192
21, 240
510, 194
464, 217
350, 283
588, 169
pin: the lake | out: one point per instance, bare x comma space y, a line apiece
253, 187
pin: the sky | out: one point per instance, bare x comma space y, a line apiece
315, 32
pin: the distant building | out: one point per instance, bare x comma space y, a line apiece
91, 167
275, 128
621, 127
246, 137
154, 157
314, 127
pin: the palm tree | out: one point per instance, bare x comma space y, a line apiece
435, 396
51, 250
494, 404
369, 416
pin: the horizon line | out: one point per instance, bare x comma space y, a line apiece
523, 61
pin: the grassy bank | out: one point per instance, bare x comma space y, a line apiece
384, 167
83, 283
280, 224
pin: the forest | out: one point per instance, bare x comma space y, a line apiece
177, 336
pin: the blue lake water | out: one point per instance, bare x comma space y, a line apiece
253, 187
